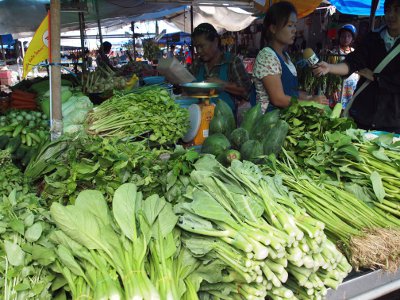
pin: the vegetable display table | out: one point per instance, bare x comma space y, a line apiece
366, 285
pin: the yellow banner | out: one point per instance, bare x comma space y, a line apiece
38, 49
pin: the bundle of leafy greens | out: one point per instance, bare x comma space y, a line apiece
151, 113
11, 176
105, 164
308, 121
249, 228
130, 252
369, 169
24, 257
348, 211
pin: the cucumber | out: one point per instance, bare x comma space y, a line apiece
264, 124
13, 144
238, 137
251, 116
17, 130
275, 138
28, 156
4, 141
223, 109
251, 150
21, 151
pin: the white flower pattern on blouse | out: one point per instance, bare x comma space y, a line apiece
267, 63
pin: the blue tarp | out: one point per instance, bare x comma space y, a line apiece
7, 39
357, 7
177, 38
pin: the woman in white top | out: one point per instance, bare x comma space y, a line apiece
275, 76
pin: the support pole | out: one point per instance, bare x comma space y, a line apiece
98, 22
134, 40
82, 33
56, 124
191, 31
374, 7
2, 48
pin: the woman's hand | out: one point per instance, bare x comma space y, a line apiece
367, 73
322, 68
321, 99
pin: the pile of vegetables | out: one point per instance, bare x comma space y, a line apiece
74, 105
24, 253
247, 230
21, 132
23, 100
259, 134
308, 122
130, 252
148, 113
102, 80
69, 167
349, 217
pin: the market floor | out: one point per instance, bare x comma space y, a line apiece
392, 296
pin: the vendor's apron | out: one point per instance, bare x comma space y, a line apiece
290, 82
223, 75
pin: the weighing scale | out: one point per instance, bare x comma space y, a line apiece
200, 115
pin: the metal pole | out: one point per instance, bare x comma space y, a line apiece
2, 48
98, 22
82, 32
56, 123
191, 31
374, 7
134, 40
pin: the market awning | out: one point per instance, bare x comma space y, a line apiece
15, 19
357, 7
304, 8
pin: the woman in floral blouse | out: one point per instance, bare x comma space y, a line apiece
275, 76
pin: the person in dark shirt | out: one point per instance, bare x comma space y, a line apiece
102, 57
377, 107
212, 64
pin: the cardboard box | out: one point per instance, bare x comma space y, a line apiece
5, 74
5, 81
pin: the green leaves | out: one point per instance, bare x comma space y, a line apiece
123, 206
14, 253
377, 185
34, 232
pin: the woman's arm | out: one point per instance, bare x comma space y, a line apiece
324, 68
231, 87
274, 88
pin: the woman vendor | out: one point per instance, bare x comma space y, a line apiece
275, 76
212, 64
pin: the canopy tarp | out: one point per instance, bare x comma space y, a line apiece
357, 7
222, 18
303, 7
23, 17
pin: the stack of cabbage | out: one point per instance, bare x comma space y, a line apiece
75, 107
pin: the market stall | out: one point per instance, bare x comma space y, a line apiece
285, 205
